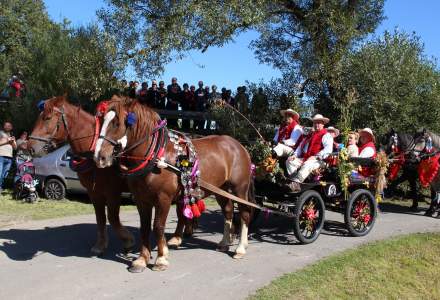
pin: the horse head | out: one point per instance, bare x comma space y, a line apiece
390, 141
51, 128
115, 130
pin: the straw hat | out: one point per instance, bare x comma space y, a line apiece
319, 117
290, 112
333, 129
367, 131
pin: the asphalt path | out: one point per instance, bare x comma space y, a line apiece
51, 259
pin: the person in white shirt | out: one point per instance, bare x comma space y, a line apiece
352, 148
367, 148
287, 134
310, 152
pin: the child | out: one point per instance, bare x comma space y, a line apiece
353, 138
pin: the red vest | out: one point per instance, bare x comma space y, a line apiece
285, 131
315, 143
369, 144
368, 171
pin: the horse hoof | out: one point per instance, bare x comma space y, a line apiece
222, 248
174, 242
136, 269
238, 256
159, 268
428, 213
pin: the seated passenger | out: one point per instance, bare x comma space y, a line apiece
288, 133
310, 152
353, 139
367, 148
335, 133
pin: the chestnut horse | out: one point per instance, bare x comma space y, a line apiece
61, 121
223, 162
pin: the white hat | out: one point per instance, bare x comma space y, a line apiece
290, 112
319, 117
333, 129
367, 131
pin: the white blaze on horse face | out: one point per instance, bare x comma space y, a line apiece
123, 142
107, 119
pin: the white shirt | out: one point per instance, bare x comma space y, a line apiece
294, 136
367, 152
327, 142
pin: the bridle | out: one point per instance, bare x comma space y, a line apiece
49, 141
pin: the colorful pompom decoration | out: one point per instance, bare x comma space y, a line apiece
131, 119
201, 205
187, 212
101, 109
40, 105
195, 210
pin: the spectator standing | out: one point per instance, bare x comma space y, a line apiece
174, 93
187, 103
153, 95
224, 93
259, 105
7, 147
162, 95
229, 99
201, 103
242, 100
143, 94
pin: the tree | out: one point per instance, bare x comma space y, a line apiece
308, 38
397, 85
52, 58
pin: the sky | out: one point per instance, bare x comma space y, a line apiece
233, 64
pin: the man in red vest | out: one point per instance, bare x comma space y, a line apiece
367, 148
288, 133
310, 152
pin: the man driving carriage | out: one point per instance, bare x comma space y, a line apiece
309, 153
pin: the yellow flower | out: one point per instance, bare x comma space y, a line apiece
323, 183
185, 163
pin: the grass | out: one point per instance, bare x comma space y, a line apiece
13, 211
402, 268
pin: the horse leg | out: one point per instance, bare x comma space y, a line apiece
414, 193
245, 214
176, 240
122, 232
228, 230
160, 219
101, 238
145, 212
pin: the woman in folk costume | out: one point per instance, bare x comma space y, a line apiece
310, 152
288, 133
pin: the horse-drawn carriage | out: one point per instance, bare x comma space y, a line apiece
323, 191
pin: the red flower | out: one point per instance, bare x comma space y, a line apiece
102, 107
367, 219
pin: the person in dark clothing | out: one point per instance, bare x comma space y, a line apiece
174, 93
229, 99
133, 88
143, 94
153, 95
201, 104
162, 95
224, 90
187, 103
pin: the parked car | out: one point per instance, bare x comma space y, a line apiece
55, 176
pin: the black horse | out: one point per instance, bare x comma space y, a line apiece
422, 141
394, 143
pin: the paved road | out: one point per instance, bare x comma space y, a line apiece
50, 259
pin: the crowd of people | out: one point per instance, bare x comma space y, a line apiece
308, 151
191, 98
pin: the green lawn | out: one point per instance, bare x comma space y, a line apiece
407, 267
13, 211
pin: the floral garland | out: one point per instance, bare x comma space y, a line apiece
188, 164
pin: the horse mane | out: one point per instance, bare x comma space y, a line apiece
405, 139
146, 118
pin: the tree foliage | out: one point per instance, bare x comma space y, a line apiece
397, 85
52, 58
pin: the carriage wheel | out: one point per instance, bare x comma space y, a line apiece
310, 215
361, 212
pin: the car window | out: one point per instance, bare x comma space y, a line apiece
68, 155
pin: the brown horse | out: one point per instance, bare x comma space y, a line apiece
61, 121
223, 162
